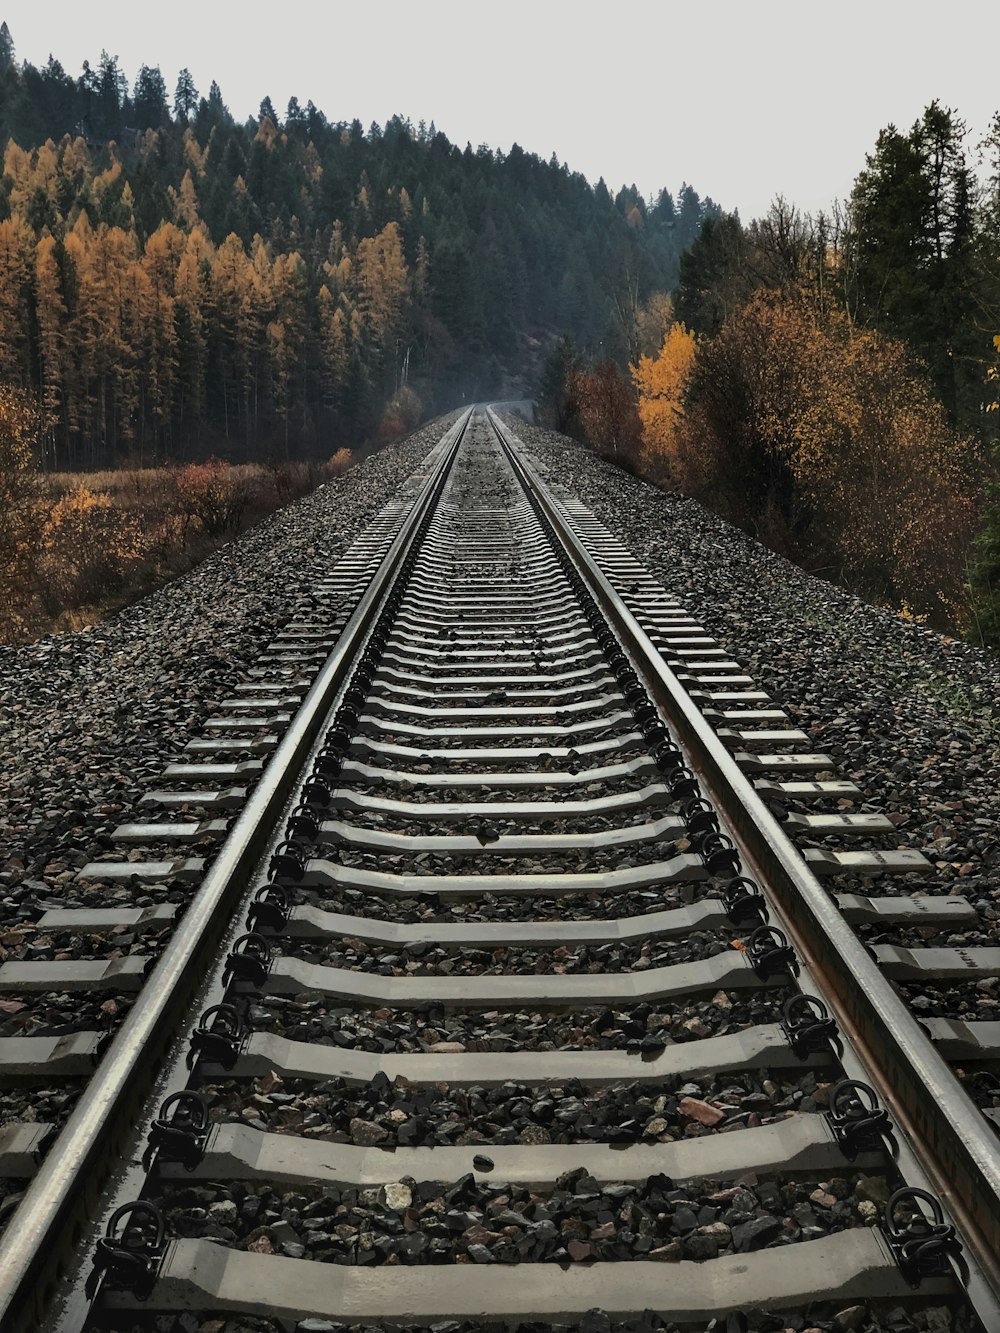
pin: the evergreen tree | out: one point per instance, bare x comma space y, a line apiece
912, 252
185, 97
6, 48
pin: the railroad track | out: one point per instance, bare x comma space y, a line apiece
497, 920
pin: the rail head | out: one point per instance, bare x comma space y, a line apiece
947, 1136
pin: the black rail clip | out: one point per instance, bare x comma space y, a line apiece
328, 766
346, 716
923, 1243
655, 734
179, 1132
269, 909
217, 1037
644, 712
770, 953
681, 781
128, 1255
718, 852
807, 1023
858, 1122
315, 792
249, 960
289, 859
338, 738
744, 902
666, 755
303, 822
700, 817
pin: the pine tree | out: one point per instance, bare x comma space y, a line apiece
6, 48
185, 97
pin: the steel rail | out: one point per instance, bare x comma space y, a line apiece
947, 1134
62, 1194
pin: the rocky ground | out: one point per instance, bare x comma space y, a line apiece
826, 1318
911, 716
89, 718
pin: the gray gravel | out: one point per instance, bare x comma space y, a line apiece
578, 1220
642, 1027
910, 715
391, 1114
90, 716
828, 1317
423, 960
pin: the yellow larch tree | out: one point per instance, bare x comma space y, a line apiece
288, 359
194, 153
233, 309
382, 285
193, 295
185, 201
17, 253
160, 261
661, 382
50, 309
333, 344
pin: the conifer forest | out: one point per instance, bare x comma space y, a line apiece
188, 293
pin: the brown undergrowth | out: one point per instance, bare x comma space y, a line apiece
91, 543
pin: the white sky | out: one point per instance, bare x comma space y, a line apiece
743, 100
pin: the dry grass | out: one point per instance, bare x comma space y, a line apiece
103, 539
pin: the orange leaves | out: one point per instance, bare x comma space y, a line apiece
214, 493
827, 441
601, 400
20, 508
993, 378
87, 546
84, 518
662, 383
338, 463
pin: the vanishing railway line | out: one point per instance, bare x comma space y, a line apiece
499, 920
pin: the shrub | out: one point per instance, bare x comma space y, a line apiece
214, 494
402, 414
88, 547
338, 463
21, 507
605, 409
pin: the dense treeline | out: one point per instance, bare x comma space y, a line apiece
173, 282
830, 383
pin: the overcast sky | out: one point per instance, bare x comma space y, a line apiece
744, 101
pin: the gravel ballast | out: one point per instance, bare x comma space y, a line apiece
91, 718
910, 715
96, 717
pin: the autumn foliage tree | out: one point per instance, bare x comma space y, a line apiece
661, 382
826, 441
605, 410
21, 511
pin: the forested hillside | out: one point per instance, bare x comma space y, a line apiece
174, 283
830, 383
